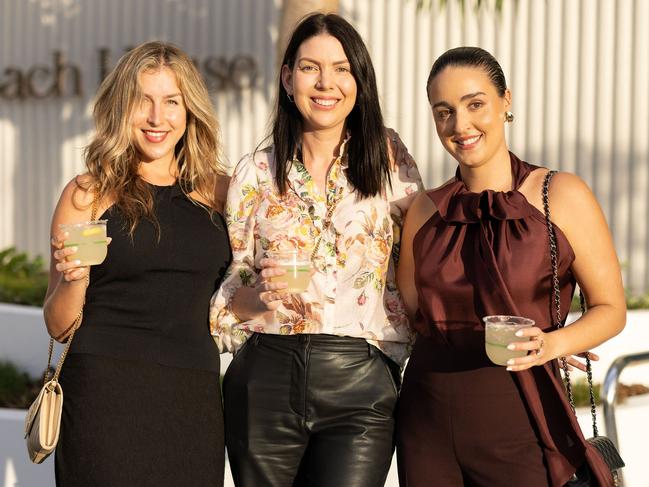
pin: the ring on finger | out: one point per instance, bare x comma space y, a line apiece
541, 343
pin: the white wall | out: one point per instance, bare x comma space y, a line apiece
578, 70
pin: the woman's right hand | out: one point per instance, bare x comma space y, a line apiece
252, 302
69, 267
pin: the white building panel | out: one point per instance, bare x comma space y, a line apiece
578, 70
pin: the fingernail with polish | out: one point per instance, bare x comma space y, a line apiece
510, 346
519, 333
510, 361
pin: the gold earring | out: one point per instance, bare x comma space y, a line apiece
509, 117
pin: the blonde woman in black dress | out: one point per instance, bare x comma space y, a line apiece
142, 396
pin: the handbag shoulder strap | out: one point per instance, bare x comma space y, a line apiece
556, 299
79, 318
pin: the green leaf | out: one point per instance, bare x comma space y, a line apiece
362, 280
22, 280
17, 389
245, 276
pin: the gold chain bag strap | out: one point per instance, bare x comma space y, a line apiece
43, 420
604, 446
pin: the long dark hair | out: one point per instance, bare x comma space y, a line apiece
367, 151
473, 57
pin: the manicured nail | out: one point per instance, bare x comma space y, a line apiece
509, 368
510, 361
77, 262
519, 333
510, 346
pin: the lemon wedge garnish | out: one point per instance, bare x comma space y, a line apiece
90, 231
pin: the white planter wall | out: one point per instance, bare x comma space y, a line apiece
24, 339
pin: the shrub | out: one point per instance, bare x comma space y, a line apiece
632, 302
17, 389
22, 280
581, 393
638, 302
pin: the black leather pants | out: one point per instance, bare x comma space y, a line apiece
309, 410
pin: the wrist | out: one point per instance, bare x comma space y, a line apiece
230, 308
555, 345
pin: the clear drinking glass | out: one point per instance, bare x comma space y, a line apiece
500, 331
90, 240
298, 267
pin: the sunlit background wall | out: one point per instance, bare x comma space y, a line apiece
578, 70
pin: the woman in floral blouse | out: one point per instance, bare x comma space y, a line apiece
311, 391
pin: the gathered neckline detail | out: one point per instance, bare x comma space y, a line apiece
455, 203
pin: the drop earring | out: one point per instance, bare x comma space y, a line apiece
509, 117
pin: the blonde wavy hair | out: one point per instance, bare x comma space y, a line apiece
111, 157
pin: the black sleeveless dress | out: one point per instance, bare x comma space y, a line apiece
141, 383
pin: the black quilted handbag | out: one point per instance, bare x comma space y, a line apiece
604, 446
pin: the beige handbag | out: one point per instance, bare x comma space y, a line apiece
43, 420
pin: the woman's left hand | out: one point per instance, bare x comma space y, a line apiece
541, 348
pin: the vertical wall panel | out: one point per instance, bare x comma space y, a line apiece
578, 71
621, 147
638, 231
566, 116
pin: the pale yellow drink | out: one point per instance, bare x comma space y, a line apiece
297, 265
500, 331
297, 277
90, 240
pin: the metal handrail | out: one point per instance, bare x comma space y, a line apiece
609, 392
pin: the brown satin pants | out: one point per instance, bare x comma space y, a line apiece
310, 410
461, 425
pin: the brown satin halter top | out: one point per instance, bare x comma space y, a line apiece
482, 254
488, 253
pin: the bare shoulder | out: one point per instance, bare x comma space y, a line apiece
78, 193
572, 201
75, 203
420, 211
566, 187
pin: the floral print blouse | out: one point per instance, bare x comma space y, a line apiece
353, 289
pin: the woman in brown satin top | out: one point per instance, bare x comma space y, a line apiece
478, 246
